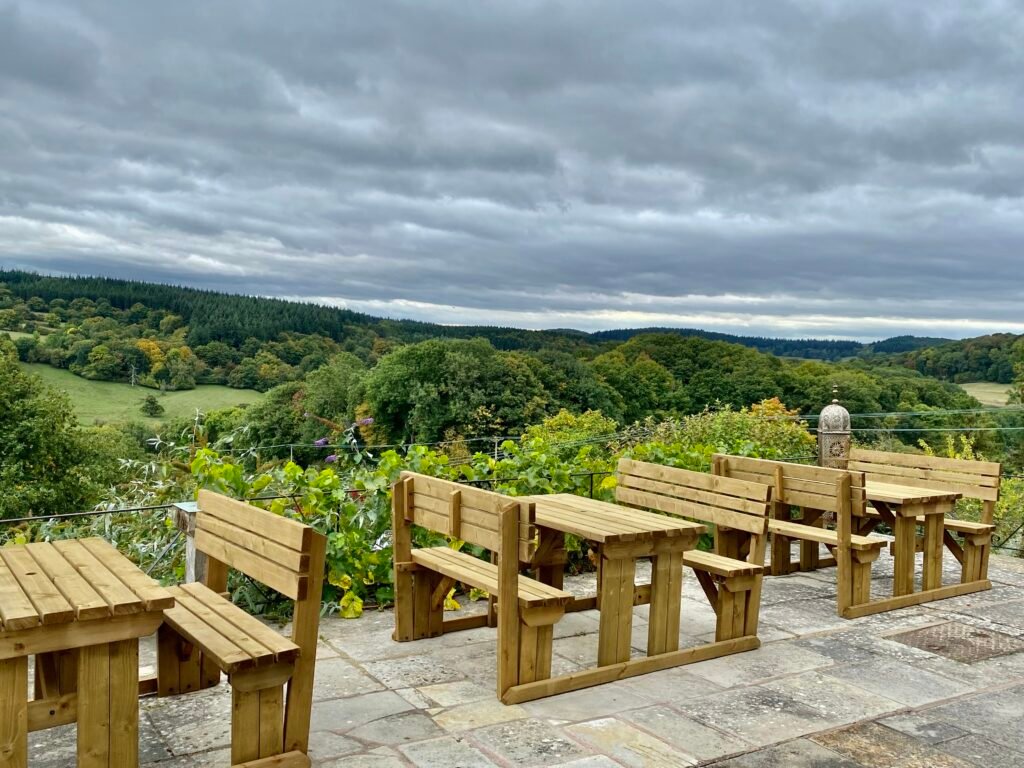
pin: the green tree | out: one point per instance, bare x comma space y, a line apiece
151, 406
47, 465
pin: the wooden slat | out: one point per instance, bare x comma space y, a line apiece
16, 610
285, 531
726, 567
704, 481
989, 468
728, 518
69, 635
478, 498
282, 648
49, 603
636, 520
217, 641
923, 479
118, 597
225, 620
696, 495
275, 576
85, 601
291, 559
154, 596
475, 572
891, 493
821, 535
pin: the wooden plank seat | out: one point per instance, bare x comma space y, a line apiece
826, 536
226, 635
526, 609
731, 575
973, 479
473, 571
204, 634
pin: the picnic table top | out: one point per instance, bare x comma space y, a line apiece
603, 522
60, 582
895, 493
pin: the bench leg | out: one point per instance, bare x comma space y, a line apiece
14, 712
257, 723
860, 574
734, 596
905, 531
975, 559
931, 573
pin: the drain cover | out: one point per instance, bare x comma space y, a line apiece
960, 642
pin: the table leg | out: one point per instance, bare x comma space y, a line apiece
551, 557
616, 599
14, 712
934, 526
666, 592
809, 550
108, 705
905, 531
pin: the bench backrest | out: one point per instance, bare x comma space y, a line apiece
269, 548
798, 485
972, 479
735, 504
464, 512
287, 556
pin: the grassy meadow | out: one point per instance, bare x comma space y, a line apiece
988, 393
108, 401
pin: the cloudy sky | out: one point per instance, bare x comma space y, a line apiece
847, 169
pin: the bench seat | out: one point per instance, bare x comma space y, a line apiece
967, 527
726, 567
822, 535
227, 635
475, 572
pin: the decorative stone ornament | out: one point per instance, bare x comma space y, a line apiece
834, 434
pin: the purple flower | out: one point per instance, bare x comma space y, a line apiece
321, 442
332, 458
365, 422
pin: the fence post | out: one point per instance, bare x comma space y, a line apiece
185, 521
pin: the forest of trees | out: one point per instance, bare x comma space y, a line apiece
998, 358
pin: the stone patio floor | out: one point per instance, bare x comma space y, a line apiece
821, 692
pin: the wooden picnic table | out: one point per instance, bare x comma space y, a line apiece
899, 506
621, 535
80, 607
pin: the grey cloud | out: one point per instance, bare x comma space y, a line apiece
754, 166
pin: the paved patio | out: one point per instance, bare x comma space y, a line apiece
821, 692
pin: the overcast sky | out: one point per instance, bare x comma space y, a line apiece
847, 169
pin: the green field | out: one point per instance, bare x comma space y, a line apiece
108, 401
988, 393
16, 334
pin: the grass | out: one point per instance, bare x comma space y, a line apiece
988, 393
110, 402
17, 334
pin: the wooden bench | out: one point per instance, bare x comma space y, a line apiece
731, 575
816, 491
973, 479
526, 609
204, 634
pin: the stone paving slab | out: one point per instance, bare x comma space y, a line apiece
821, 692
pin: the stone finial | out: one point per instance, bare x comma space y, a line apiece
834, 433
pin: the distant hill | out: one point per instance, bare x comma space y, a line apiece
811, 349
231, 318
